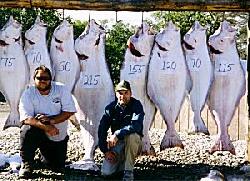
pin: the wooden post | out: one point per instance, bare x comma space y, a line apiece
133, 5
248, 131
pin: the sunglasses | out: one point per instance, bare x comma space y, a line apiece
43, 78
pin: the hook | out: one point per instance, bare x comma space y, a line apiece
142, 21
89, 16
31, 4
223, 17
116, 16
142, 17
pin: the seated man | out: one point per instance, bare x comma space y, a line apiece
44, 110
125, 117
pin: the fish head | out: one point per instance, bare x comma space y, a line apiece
89, 40
223, 39
36, 33
94, 28
169, 38
195, 37
140, 44
96, 32
11, 32
63, 32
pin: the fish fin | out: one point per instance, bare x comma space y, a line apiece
11, 122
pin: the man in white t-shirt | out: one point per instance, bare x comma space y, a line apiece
44, 112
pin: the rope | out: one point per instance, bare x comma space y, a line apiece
116, 19
142, 21
142, 17
89, 16
31, 4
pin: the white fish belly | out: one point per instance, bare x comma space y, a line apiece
166, 85
226, 92
35, 57
201, 74
13, 79
66, 66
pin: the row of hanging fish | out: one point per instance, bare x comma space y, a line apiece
174, 69
159, 71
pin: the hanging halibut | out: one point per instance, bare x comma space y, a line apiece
94, 90
65, 62
13, 69
201, 71
167, 80
229, 83
134, 70
36, 50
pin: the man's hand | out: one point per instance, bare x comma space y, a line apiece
43, 119
51, 130
112, 141
111, 157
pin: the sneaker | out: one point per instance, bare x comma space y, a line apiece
128, 175
25, 170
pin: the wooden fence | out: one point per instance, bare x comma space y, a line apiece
238, 128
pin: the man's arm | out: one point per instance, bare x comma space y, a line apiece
49, 129
103, 131
55, 119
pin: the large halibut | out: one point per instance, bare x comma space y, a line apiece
167, 79
36, 50
229, 83
93, 90
134, 70
201, 72
66, 65
13, 68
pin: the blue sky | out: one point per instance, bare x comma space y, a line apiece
133, 18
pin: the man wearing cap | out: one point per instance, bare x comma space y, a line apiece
125, 118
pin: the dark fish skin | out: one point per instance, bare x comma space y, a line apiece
82, 56
97, 41
134, 51
30, 42
3, 43
189, 47
213, 50
160, 47
58, 41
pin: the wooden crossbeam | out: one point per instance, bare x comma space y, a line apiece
133, 5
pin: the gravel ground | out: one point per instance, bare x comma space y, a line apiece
191, 163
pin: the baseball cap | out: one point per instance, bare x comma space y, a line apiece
123, 85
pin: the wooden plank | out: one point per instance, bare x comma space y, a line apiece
243, 118
211, 124
233, 129
133, 5
183, 124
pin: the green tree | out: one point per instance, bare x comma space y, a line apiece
184, 20
116, 44
239, 20
79, 27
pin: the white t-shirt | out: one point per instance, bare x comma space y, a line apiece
59, 99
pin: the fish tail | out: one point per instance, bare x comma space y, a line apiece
12, 121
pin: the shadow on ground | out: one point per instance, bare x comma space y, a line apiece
168, 172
